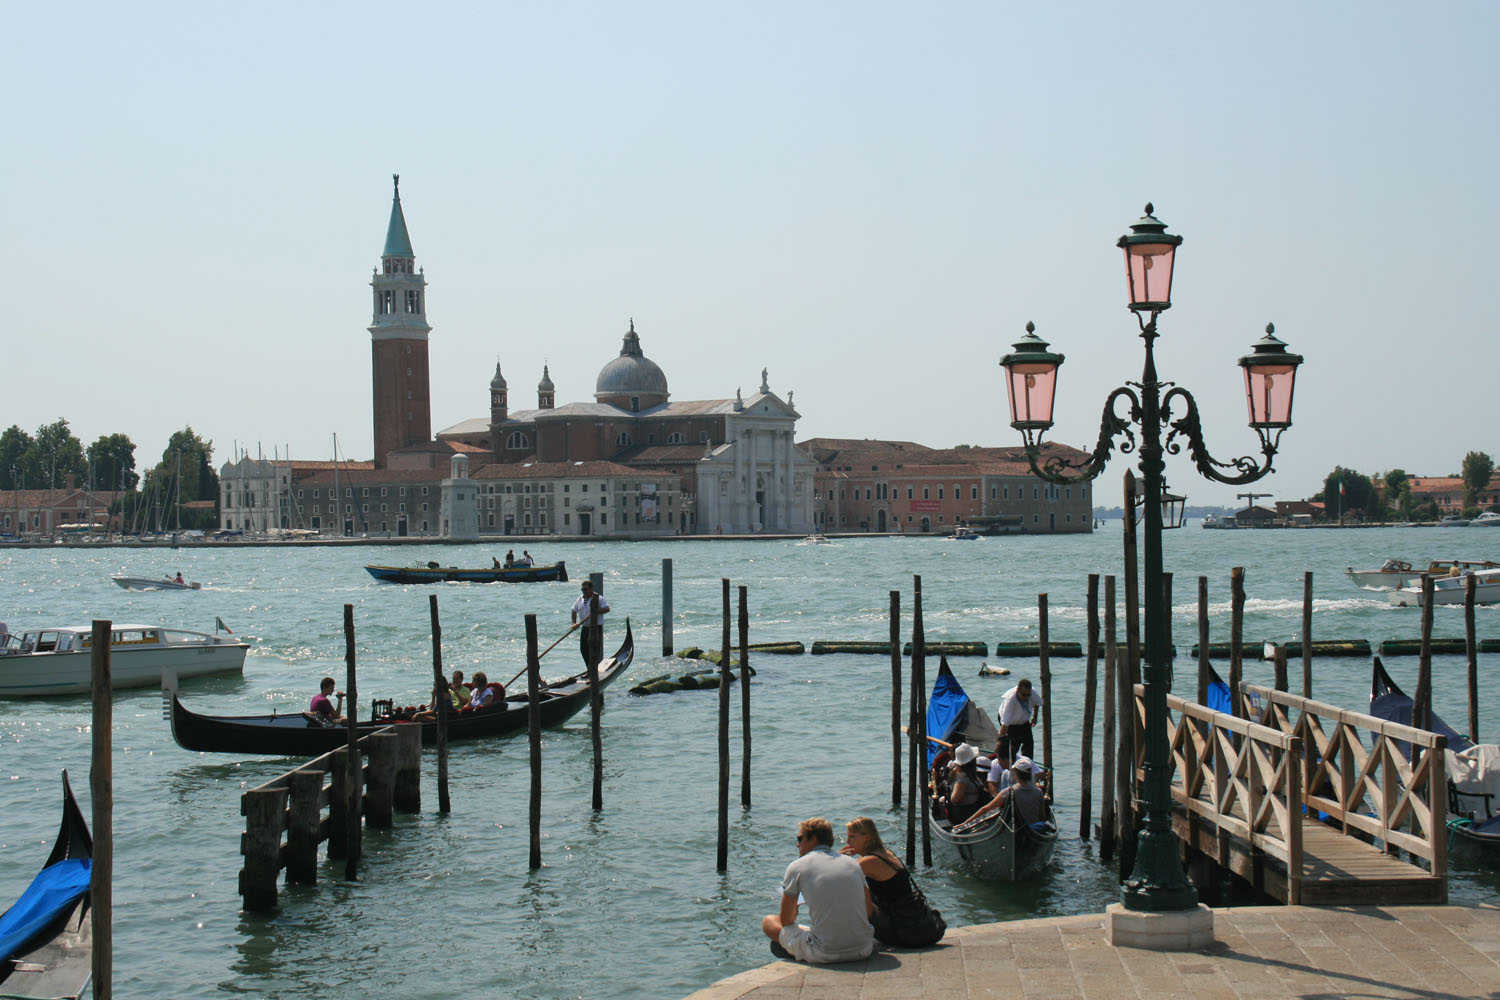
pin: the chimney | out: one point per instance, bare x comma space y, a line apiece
70, 481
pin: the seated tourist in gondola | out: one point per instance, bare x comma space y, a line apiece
322, 709
999, 775
965, 785
485, 693
1030, 801
899, 912
458, 691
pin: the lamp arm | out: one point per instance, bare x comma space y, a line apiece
1247, 469
1057, 469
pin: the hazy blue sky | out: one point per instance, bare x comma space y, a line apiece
868, 199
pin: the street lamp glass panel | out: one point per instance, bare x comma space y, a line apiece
1268, 389
1032, 386
1148, 267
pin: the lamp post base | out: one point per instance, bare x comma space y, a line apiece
1173, 930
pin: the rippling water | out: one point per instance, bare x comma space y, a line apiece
629, 903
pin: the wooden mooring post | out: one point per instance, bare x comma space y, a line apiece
534, 741
1307, 636
443, 707
1236, 638
1090, 690
353, 785
596, 706
744, 593
919, 710
722, 863
1205, 669
666, 607
1421, 703
1471, 648
895, 699
102, 794
1107, 817
1045, 676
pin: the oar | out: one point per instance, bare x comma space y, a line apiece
544, 652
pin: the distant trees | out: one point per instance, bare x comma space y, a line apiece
42, 461
1398, 493
112, 461
185, 473
1476, 472
1347, 491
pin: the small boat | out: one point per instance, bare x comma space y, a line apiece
1396, 573
152, 583
1450, 589
58, 660
1473, 770
300, 734
433, 573
816, 538
962, 534
1218, 521
998, 847
1453, 521
1489, 519
46, 938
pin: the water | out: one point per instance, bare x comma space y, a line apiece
628, 903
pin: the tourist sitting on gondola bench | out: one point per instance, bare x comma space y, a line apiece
322, 709
899, 913
458, 691
485, 693
1030, 801
965, 785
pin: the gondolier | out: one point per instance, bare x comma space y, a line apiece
1019, 708
587, 613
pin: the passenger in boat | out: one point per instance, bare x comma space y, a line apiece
510, 559
591, 635
322, 707
899, 912
526, 559
838, 903
179, 577
965, 786
1019, 708
485, 693
458, 692
1031, 801
999, 775
496, 562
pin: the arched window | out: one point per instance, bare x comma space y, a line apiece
622, 440
675, 438
517, 441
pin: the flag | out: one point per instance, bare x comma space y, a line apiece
219, 624
1342, 491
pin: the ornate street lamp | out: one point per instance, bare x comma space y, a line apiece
1157, 883
1173, 507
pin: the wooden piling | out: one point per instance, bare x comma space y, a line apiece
1108, 818
596, 706
1280, 680
354, 786
304, 816
264, 810
338, 802
1307, 636
1045, 671
666, 607
723, 854
1204, 668
1125, 818
1471, 648
102, 794
916, 770
1090, 685
744, 593
380, 780
919, 708
1132, 594
895, 699
406, 793
534, 739
1236, 637
1421, 706
443, 707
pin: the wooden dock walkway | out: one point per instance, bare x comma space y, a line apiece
1301, 808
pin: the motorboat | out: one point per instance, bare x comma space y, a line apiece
1488, 519
962, 534
301, 734
1451, 589
58, 659
156, 583
816, 538
1219, 521
433, 573
1397, 573
1453, 521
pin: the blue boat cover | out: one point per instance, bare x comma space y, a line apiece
1395, 706
945, 710
54, 890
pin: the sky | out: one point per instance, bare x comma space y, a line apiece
870, 200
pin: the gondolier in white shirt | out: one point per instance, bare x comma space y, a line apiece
589, 614
1019, 708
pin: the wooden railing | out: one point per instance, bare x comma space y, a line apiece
1244, 778
1394, 791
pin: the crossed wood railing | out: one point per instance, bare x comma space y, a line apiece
1394, 791
1255, 780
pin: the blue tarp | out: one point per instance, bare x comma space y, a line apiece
54, 890
945, 710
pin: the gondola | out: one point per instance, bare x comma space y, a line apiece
998, 847
46, 940
1473, 771
295, 734
433, 573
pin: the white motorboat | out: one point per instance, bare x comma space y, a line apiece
1489, 519
1453, 521
58, 660
1219, 521
155, 583
1450, 589
816, 538
962, 534
1396, 573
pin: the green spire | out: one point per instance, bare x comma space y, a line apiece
397, 243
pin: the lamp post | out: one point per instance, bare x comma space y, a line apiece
1157, 883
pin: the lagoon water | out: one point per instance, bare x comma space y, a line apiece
628, 903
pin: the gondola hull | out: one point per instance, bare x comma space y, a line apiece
295, 735
555, 572
997, 848
56, 960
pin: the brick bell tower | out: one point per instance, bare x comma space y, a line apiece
401, 399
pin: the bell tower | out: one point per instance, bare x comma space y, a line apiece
401, 397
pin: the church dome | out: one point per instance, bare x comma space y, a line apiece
498, 382
545, 385
632, 374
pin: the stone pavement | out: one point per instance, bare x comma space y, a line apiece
1264, 952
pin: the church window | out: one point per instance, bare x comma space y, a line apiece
622, 440
867, 492
518, 441
957, 492
926, 493
388, 302
973, 492
411, 301
675, 438
940, 493
909, 494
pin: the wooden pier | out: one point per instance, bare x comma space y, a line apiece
1300, 808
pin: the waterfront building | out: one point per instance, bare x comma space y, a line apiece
401, 401
47, 513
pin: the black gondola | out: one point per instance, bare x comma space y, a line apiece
46, 939
433, 573
298, 735
1473, 819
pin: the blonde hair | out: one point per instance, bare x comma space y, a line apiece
819, 828
865, 826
